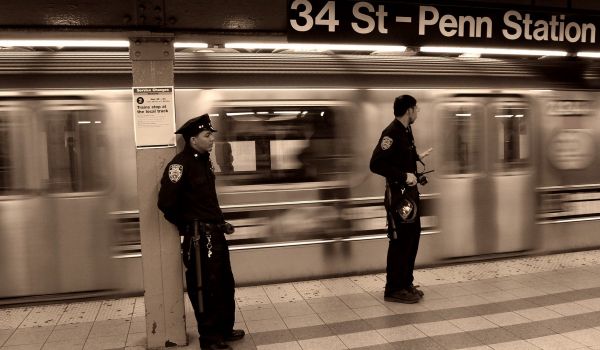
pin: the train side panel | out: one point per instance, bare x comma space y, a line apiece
515, 160
569, 189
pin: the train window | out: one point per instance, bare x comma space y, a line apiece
285, 154
273, 145
461, 129
223, 156
77, 152
14, 125
511, 136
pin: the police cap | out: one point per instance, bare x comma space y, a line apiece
195, 125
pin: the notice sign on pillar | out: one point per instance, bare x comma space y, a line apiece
154, 116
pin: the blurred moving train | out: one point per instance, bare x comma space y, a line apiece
515, 142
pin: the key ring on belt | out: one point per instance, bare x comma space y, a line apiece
196, 237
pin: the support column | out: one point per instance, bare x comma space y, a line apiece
152, 63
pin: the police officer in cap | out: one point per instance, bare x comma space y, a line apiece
188, 199
395, 158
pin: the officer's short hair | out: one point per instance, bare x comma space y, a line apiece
402, 104
187, 137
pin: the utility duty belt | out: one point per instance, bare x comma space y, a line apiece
204, 227
201, 233
199, 227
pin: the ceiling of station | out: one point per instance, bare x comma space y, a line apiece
245, 17
214, 22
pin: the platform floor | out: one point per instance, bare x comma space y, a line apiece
547, 302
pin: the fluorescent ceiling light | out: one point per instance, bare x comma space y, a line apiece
313, 47
66, 43
190, 45
233, 114
593, 54
508, 116
491, 51
90, 43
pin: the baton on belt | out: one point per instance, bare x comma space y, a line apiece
389, 210
198, 263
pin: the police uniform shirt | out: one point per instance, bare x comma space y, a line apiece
395, 153
187, 190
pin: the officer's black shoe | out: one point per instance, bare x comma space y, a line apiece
216, 346
417, 290
405, 296
236, 334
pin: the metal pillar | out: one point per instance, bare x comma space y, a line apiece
152, 63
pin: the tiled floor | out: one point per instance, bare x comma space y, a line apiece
549, 302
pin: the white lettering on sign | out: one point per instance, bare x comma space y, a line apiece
403, 19
379, 16
423, 21
520, 26
449, 25
325, 17
370, 22
304, 14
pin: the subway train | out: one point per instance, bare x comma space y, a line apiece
515, 162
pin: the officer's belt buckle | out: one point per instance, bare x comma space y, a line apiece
208, 227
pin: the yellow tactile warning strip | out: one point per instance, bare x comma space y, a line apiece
546, 302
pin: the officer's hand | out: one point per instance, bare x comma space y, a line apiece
229, 229
426, 153
411, 179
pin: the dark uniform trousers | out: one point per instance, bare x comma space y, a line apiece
393, 158
402, 250
218, 286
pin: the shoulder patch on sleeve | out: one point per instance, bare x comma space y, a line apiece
175, 172
386, 142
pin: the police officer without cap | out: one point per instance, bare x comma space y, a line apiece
395, 158
188, 199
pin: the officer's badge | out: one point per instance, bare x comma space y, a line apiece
175, 172
386, 142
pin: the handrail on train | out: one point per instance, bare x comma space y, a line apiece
569, 188
272, 206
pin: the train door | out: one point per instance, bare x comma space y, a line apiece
22, 206
75, 153
509, 140
53, 220
486, 181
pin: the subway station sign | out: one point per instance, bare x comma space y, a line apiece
410, 24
